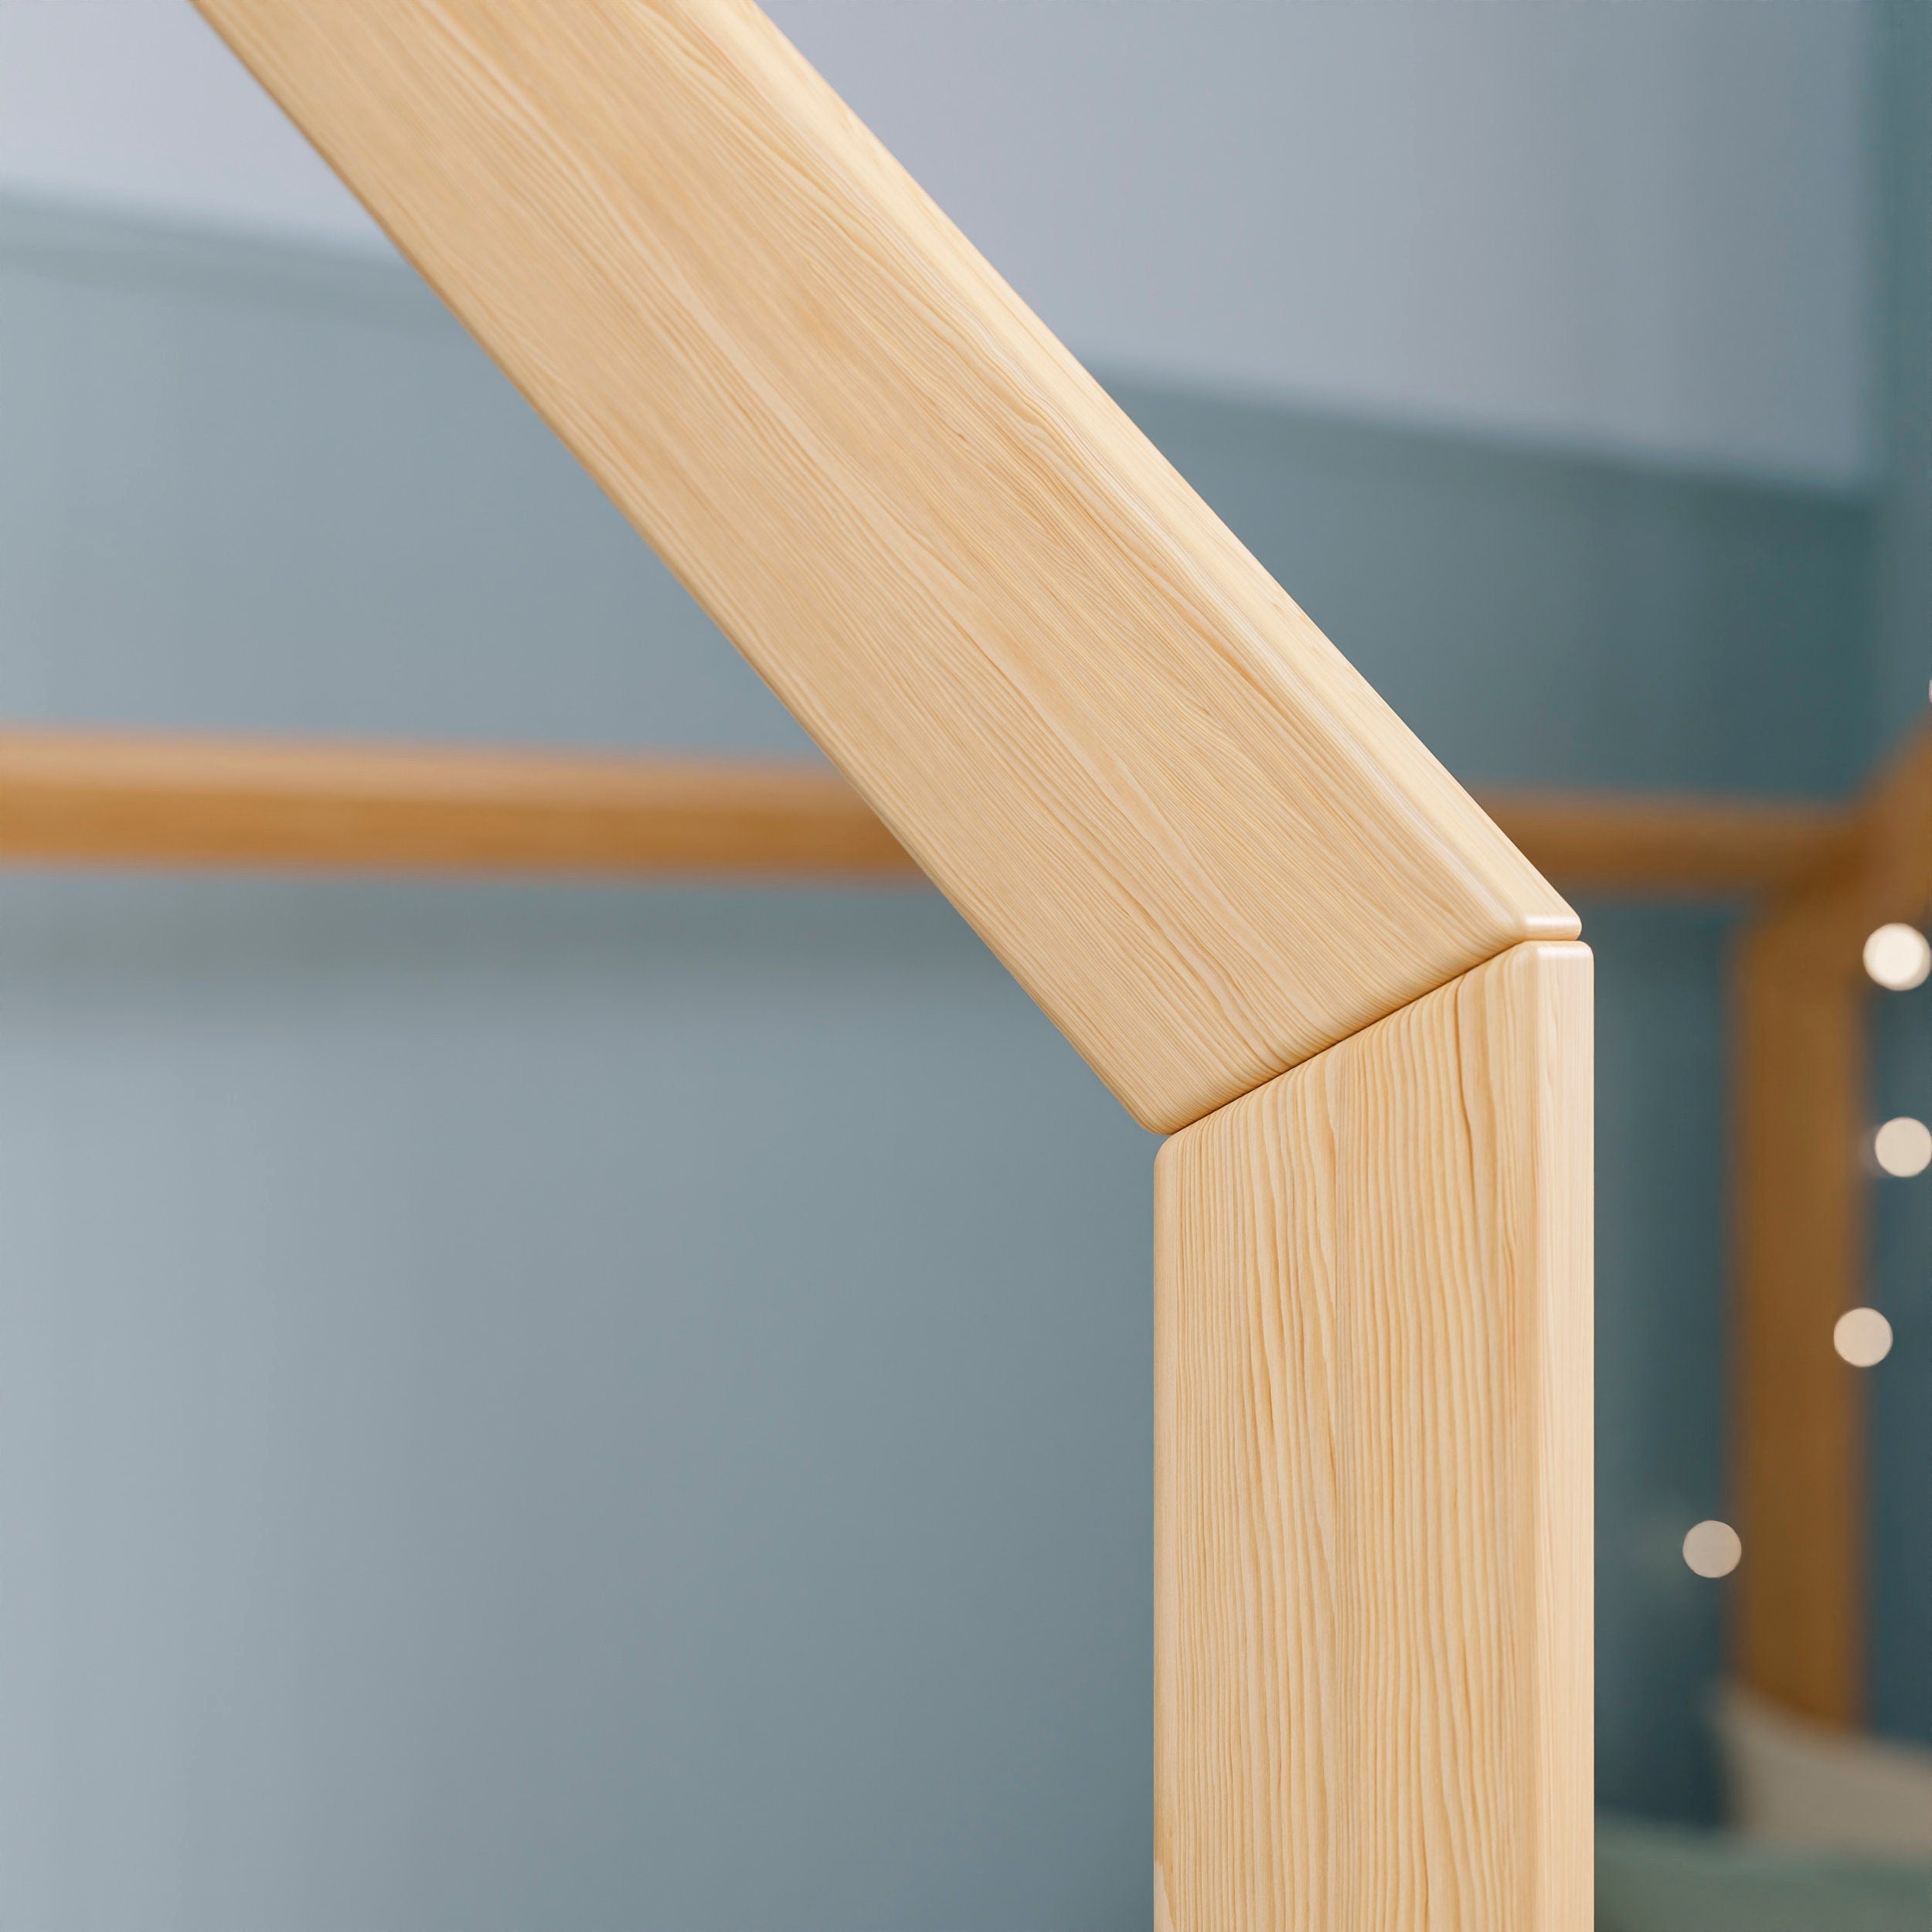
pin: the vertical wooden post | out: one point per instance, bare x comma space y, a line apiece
1800, 1004
1797, 1411
1372, 1477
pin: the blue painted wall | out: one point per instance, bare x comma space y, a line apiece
527, 1405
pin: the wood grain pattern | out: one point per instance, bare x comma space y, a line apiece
1372, 1477
1166, 800
134, 799
1801, 1112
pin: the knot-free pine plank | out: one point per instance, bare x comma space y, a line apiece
1372, 1513
1193, 832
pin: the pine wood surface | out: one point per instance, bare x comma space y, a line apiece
1373, 1478
1191, 829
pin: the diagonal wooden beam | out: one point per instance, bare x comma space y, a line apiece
1192, 830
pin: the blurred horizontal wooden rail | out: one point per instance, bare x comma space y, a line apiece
1687, 846
108, 799
102, 799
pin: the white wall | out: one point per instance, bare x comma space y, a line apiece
1632, 225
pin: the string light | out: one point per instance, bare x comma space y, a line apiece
1903, 1147
1712, 1549
1898, 958
1863, 1336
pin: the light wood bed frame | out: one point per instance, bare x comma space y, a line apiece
1269, 921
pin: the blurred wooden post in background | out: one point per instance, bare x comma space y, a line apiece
1797, 1012
1801, 1125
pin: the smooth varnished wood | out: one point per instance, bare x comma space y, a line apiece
1373, 1523
73, 798
1191, 829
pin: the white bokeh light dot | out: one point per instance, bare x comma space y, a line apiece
1898, 958
1712, 1549
1863, 1336
1903, 1147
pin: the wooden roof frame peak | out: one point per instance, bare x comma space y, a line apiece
1257, 906
1225, 869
